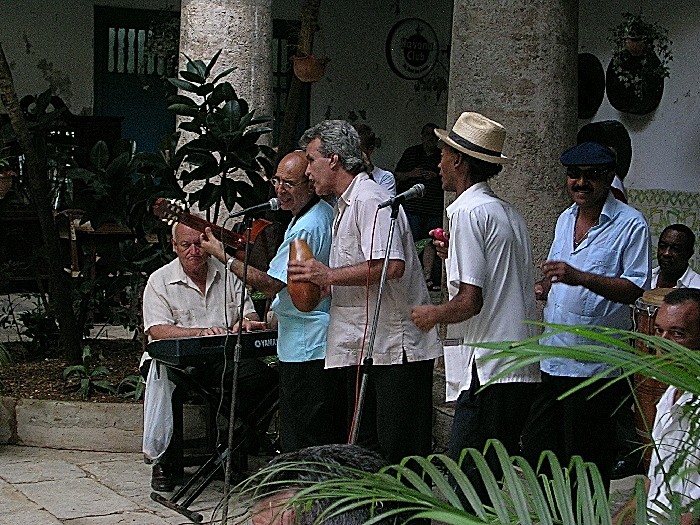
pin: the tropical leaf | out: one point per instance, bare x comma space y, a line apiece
418, 488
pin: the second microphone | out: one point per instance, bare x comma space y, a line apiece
417, 190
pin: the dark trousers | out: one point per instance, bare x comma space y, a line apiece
397, 415
255, 396
311, 410
574, 425
497, 412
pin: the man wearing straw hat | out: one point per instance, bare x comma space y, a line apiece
489, 274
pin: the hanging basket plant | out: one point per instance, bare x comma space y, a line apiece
309, 68
639, 65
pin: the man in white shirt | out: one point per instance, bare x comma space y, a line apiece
490, 273
396, 419
676, 247
185, 298
674, 472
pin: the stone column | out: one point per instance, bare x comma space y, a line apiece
243, 29
516, 62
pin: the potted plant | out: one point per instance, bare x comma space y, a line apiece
639, 65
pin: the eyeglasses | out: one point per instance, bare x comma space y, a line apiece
574, 172
286, 184
184, 245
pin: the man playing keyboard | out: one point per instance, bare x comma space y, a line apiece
194, 296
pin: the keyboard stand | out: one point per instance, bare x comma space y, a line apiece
200, 480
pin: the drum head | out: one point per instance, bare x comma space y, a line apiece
654, 297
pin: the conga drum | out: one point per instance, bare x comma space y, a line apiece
647, 391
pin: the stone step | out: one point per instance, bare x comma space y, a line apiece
73, 425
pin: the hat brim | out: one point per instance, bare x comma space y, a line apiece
443, 135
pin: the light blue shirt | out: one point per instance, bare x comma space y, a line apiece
302, 335
618, 246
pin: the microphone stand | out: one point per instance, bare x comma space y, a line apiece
368, 360
247, 222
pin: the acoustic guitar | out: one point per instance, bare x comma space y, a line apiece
170, 212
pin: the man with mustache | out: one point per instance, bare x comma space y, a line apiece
599, 263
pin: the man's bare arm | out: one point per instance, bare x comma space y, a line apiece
355, 275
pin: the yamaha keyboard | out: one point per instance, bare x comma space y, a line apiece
192, 351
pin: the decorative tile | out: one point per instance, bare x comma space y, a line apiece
662, 208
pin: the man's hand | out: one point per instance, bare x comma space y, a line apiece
212, 245
424, 316
212, 330
542, 289
441, 244
310, 270
561, 272
250, 325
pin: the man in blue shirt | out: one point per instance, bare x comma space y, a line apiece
599, 263
309, 414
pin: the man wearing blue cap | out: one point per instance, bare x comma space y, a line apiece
599, 263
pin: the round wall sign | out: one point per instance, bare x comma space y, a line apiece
411, 48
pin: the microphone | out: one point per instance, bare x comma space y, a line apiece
417, 190
272, 204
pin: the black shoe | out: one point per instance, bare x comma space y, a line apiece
164, 478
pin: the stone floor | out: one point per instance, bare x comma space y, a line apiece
42, 486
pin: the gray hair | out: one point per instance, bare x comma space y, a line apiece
337, 137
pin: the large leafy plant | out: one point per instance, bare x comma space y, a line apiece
223, 151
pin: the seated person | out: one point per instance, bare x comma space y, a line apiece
674, 471
185, 298
676, 247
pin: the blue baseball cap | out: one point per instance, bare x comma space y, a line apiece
589, 154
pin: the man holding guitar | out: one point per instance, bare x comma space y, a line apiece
194, 296
308, 409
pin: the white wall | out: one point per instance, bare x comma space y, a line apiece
666, 142
358, 78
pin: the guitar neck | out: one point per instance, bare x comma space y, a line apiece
228, 237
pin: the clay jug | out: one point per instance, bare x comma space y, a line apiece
305, 295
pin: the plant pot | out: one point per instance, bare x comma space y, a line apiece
5, 182
309, 68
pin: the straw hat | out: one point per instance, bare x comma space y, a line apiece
476, 136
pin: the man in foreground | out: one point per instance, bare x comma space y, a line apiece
308, 394
397, 415
284, 477
674, 471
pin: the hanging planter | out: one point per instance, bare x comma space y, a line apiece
309, 68
639, 65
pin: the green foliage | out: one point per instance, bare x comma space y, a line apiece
418, 489
5, 357
132, 386
653, 62
225, 143
86, 378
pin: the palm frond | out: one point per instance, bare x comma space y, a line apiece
418, 488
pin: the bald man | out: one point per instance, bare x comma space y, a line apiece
193, 296
308, 393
